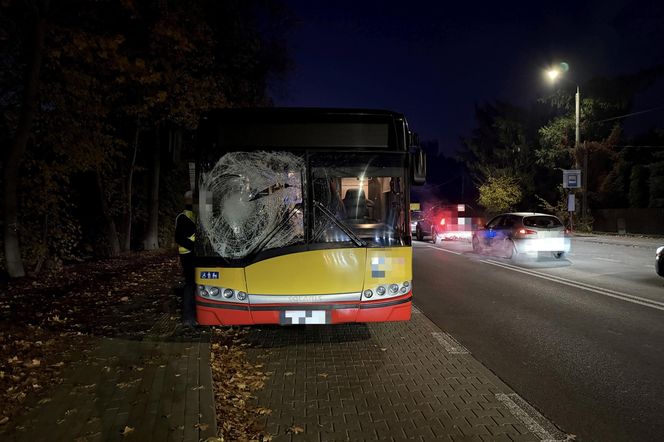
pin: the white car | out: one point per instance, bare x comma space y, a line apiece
520, 233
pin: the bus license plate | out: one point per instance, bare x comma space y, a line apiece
294, 317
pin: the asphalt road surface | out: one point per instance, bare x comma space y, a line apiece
581, 339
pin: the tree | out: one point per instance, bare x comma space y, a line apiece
604, 101
15, 152
115, 78
504, 144
499, 194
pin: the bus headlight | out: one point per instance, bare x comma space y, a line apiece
214, 291
228, 293
380, 290
406, 284
241, 296
202, 292
394, 288
368, 293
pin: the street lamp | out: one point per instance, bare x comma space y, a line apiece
553, 74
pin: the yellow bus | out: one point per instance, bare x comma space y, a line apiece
303, 216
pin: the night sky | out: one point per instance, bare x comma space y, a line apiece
434, 61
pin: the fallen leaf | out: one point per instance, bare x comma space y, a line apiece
288, 373
294, 429
323, 375
201, 427
4, 420
32, 364
127, 430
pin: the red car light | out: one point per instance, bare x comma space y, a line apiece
527, 232
442, 221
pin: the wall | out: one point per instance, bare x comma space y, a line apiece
644, 221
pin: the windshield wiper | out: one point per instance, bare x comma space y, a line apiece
344, 228
261, 245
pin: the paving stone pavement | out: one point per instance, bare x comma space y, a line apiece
155, 389
385, 381
350, 382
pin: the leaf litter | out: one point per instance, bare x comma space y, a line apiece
39, 341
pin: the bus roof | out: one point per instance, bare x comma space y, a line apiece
301, 127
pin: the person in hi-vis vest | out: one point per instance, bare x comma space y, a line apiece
185, 235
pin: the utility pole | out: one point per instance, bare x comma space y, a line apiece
577, 143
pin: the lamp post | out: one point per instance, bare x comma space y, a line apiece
553, 74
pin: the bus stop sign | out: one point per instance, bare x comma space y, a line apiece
572, 179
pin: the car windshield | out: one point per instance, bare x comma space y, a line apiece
542, 222
362, 191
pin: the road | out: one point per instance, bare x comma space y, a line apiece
582, 339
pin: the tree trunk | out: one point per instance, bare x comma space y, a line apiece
151, 240
18, 146
126, 243
109, 225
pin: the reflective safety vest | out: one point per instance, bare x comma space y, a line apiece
189, 214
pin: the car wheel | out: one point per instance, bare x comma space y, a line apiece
558, 255
476, 245
510, 250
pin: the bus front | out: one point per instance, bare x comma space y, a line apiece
303, 218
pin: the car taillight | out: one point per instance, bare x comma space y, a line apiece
442, 221
527, 232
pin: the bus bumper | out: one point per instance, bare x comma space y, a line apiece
211, 312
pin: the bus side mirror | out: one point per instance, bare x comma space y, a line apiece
418, 169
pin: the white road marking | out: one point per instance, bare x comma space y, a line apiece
534, 421
445, 250
606, 259
451, 345
591, 288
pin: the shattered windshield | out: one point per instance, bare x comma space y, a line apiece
364, 192
250, 201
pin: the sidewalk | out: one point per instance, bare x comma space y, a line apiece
349, 382
158, 388
385, 381
632, 240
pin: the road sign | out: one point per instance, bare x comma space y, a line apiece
572, 179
